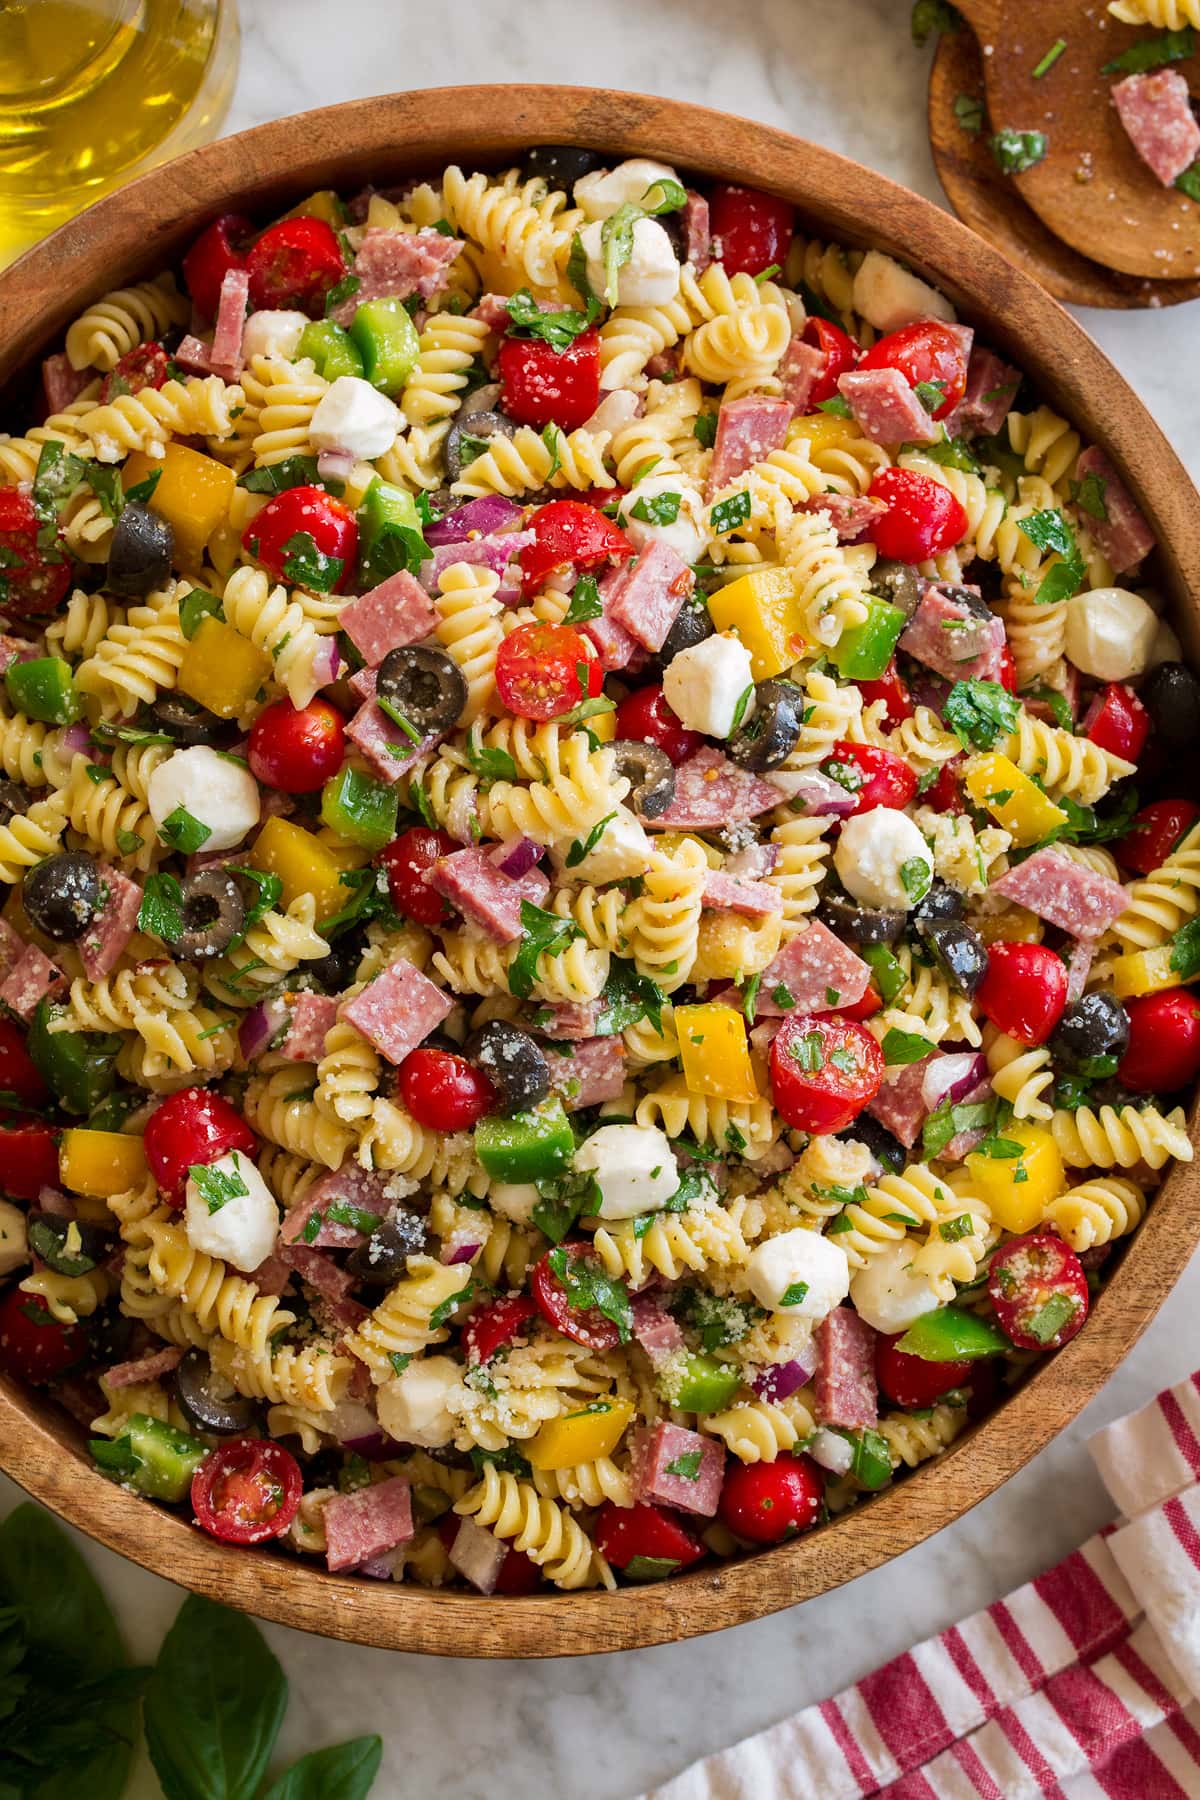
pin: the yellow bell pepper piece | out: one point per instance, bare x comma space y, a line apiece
764, 611
715, 1052
192, 493
1145, 972
1015, 925
1015, 802
303, 864
222, 669
100, 1163
1018, 1189
580, 1436
825, 431
324, 204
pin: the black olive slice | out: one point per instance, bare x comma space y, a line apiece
139, 555
188, 723
425, 686
467, 438
209, 1402
883, 1145
559, 165
862, 924
692, 625
14, 799
899, 584
941, 902
515, 1065
960, 952
61, 894
214, 914
650, 773
1172, 698
1092, 1036
383, 1259
772, 731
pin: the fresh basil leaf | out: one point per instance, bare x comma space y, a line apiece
1049, 530
916, 878
674, 197
143, 491
904, 1047
345, 289
343, 1772
1016, 151
1061, 580
488, 764
581, 848
563, 1200
184, 832
558, 329
269, 892
585, 605
543, 933
650, 1568
577, 272
1049, 1319
312, 568
214, 1705
628, 998
443, 1310
979, 712
658, 509
931, 17
616, 245
1185, 950
1057, 703
198, 604
952, 453
952, 1117
686, 1466
1152, 53
276, 478
728, 514
161, 912
588, 1288
795, 1294
104, 479
217, 1187
704, 430
838, 405
552, 439
931, 394
750, 997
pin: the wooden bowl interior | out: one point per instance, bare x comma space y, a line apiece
146, 226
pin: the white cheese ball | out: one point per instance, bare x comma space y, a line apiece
620, 853
872, 850
1110, 633
274, 334
634, 1166
514, 1200
649, 278
600, 193
705, 683
352, 415
888, 295
14, 1242
685, 533
831, 1450
888, 1295
243, 1229
220, 793
412, 1405
799, 1273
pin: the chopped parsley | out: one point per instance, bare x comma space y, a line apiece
1152, 53
543, 933
589, 1289
658, 509
585, 605
184, 832
979, 712
312, 568
968, 110
904, 1047
687, 1466
795, 1294
728, 514
1016, 151
217, 1187
581, 848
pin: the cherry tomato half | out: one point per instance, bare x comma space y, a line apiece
28, 1158
1006, 675
824, 1070
406, 859
587, 1326
1024, 990
892, 689
299, 527
1164, 1042
33, 1345
569, 534
876, 777
866, 1007
1039, 1290
18, 1074
1155, 832
192, 1127
294, 264
519, 1574
751, 231
945, 793
444, 1092
542, 671
841, 354
489, 1329
247, 1491
541, 386
627, 1535
926, 351
1118, 722
645, 717
922, 519
214, 253
910, 1380
32, 580
145, 366
297, 749
768, 1502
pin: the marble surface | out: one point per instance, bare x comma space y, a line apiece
600, 1728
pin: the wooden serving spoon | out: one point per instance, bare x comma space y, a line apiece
1091, 188
988, 201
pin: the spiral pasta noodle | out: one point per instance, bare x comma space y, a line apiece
221, 1302
120, 320
1096, 1211
1107, 1138
537, 1526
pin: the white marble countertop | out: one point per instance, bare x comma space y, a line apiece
600, 1728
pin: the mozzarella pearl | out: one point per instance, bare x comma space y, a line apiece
634, 1166
686, 531
621, 852
412, 1405
273, 334
514, 1200
803, 1264
352, 415
888, 295
705, 683
831, 1450
872, 850
14, 1242
600, 193
220, 793
242, 1231
1110, 633
649, 278
888, 1295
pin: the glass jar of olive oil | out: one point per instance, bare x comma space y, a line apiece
93, 92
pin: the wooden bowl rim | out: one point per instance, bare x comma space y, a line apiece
139, 228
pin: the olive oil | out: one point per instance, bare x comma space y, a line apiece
93, 92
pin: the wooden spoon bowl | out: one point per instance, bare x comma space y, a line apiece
263, 171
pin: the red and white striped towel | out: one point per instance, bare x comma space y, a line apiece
1082, 1685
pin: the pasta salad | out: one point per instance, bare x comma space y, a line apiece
600, 911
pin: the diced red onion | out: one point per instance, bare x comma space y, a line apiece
335, 465
77, 738
816, 793
478, 1556
516, 857
463, 1253
378, 1568
326, 661
487, 513
831, 1450
376, 1447
931, 691
950, 1077
53, 1200
777, 1380
259, 1026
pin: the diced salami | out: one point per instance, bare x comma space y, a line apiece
226, 353
387, 617
32, 977
734, 893
1123, 533
396, 264
673, 1466
367, 1523
989, 396
1063, 893
143, 1368
398, 1010
385, 745
710, 791
495, 551
492, 310
15, 650
655, 1330
954, 633
900, 1104
614, 646
1157, 115
61, 383
697, 232
194, 355
569, 1019
350, 1187
483, 894
817, 970
844, 1385
309, 1018
647, 597
747, 431
755, 861
314, 1266
11, 947
851, 515
1079, 966
886, 408
800, 368
102, 944
272, 1274
591, 1071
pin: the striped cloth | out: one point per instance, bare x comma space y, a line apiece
1082, 1685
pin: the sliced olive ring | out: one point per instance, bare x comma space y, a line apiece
941, 902
14, 799
425, 686
214, 914
140, 551
862, 924
650, 773
1092, 1036
516, 1067
960, 953
188, 723
899, 584
208, 1401
477, 427
1172, 698
692, 625
383, 1259
772, 731
61, 894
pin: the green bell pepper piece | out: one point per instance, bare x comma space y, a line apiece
332, 349
387, 340
77, 1066
152, 1457
704, 1384
529, 1146
865, 651
390, 534
952, 1335
44, 689
872, 1465
359, 808
887, 972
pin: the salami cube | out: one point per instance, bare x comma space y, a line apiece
395, 264
1063, 893
32, 978
736, 893
672, 1466
747, 431
899, 1105
845, 1380
484, 894
654, 1328
229, 333
104, 941
591, 1071
800, 368
143, 1368
710, 791
1156, 112
309, 1019
886, 408
398, 1010
367, 1523
954, 633
1123, 532
697, 232
646, 598
817, 971
851, 515
388, 617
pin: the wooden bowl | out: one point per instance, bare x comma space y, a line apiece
147, 225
